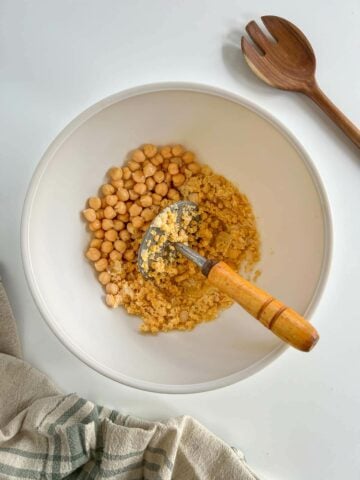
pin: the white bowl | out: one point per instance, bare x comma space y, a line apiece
240, 141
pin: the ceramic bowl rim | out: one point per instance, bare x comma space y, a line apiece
62, 137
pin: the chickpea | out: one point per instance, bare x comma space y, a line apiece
118, 225
107, 246
101, 265
115, 173
177, 150
110, 300
104, 255
111, 235
167, 178
124, 217
147, 214
138, 176
111, 200
117, 183
149, 170
115, 256
123, 194
194, 197
138, 156
135, 210
150, 150
194, 167
94, 203
93, 254
140, 188
165, 202
124, 235
156, 209
103, 202
109, 212
188, 157
112, 288
173, 168
95, 225
129, 255
96, 242
177, 160
89, 214
156, 199
131, 267
206, 170
138, 222
159, 176
120, 246
178, 179
104, 278
120, 208
173, 194
107, 189
130, 228
126, 173
100, 214
146, 201
133, 165
133, 195
99, 234
150, 183
166, 163
129, 184
135, 244
166, 152
161, 189
157, 160
107, 224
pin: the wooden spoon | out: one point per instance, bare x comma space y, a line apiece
287, 61
287, 324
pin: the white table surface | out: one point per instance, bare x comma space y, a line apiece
299, 418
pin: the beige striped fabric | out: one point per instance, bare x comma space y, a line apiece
47, 435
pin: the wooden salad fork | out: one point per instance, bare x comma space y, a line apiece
287, 61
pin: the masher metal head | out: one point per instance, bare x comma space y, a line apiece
153, 234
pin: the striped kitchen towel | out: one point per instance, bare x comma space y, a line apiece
47, 435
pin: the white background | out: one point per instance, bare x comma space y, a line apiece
299, 418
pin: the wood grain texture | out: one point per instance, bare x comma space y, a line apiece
326, 105
287, 61
287, 324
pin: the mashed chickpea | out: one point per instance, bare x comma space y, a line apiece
153, 178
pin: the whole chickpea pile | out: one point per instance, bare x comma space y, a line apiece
152, 179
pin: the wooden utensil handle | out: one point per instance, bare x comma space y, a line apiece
274, 315
319, 97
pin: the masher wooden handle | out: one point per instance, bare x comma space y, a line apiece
287, 324
319, 97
